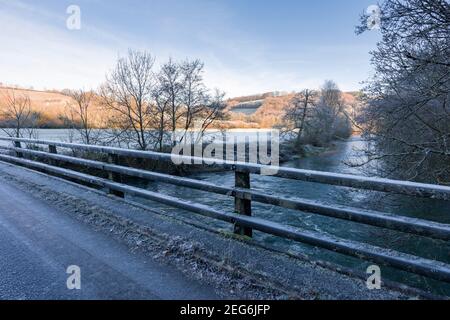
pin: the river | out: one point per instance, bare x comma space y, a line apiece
330, 161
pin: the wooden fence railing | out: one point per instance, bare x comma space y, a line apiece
242, 219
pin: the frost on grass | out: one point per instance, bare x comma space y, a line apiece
189, 257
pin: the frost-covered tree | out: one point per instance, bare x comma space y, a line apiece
406, 117
299, 113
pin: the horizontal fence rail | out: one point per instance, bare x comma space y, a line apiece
244, 196
399, 223
345, 180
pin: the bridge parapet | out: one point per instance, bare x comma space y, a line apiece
244, 223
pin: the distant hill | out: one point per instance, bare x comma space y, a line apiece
265, 110
51, 104
256, 111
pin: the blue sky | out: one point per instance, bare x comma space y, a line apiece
248, 46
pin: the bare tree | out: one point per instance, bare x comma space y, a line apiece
317, 117
406, 113
147, 109
127, 96
82, 116
193, 92
187, 103
18, 118
161, 121
201, 108
169, 81
210, 112
331, 121
327, 121
299, 111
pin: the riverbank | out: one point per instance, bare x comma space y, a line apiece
290, 152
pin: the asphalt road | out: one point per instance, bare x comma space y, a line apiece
38, 244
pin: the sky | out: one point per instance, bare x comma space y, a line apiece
248, 46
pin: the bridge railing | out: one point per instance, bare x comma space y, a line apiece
242, 219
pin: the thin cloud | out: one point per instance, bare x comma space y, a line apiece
39, 51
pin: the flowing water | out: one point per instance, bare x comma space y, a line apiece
331, 161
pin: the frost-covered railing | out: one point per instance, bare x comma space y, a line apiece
242, 219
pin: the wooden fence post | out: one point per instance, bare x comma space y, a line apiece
114, 159
18, 145
242, 206
52, 149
